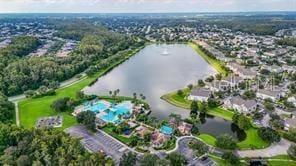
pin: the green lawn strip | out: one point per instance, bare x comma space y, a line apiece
283, 156
218, 65
252, 141
177, 100
208, 139
220, 112
281, 163
32, 109
121, 138
222, 162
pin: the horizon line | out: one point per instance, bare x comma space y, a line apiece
203, 12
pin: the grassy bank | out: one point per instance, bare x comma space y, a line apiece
178, 100
32, 109
218, 65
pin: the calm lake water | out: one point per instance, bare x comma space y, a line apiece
155, 71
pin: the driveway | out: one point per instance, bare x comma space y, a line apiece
273, 150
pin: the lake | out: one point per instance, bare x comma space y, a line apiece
156, 70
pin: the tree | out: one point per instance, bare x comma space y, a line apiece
149, 160
194, 129
200, 147
176, 159
63, 104
47, 146
6, 110
230, 158
218, 76
87, 118
194, 109
200, 83
203, 107
292, 151
268, 104
291, 134
180, 92
249, 94
268, 134
226, 141
190, 86
242, 121
212, 102
128, 159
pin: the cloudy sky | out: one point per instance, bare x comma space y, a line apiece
143, 6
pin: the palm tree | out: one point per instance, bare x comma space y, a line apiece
110, 93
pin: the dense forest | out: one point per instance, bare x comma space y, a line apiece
21, 73
20, 146
6, 110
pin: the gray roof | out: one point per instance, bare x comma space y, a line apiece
273, 93
201, 92
240, 101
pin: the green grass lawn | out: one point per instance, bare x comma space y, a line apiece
281, 163
177, 100
222, 162
218, 65
121, 138
32, 109
220, 112
208, 139
252, 141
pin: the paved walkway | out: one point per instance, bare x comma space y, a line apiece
273, 150
17, 117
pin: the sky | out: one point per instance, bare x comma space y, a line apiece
143, 6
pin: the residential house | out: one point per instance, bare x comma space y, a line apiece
290, 123
158, 139
199, 94
185, 128
272, 94
292, 100
241, 105
142, 131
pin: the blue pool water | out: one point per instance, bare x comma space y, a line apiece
166, 130
97, 107
109, 113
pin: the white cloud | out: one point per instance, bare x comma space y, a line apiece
144, 5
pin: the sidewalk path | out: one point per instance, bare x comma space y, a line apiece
278, 148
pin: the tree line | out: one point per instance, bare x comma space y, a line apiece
21, 73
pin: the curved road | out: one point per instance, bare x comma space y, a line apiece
275, 149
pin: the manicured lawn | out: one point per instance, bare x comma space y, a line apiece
121, 138
177, 100
218, 65
32, 109
252, 141
208, 139
220, 112
222, 162
281, 163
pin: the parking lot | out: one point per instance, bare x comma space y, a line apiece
99, 141
189, 155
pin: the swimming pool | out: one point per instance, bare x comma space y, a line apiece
166, 130
108, 112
